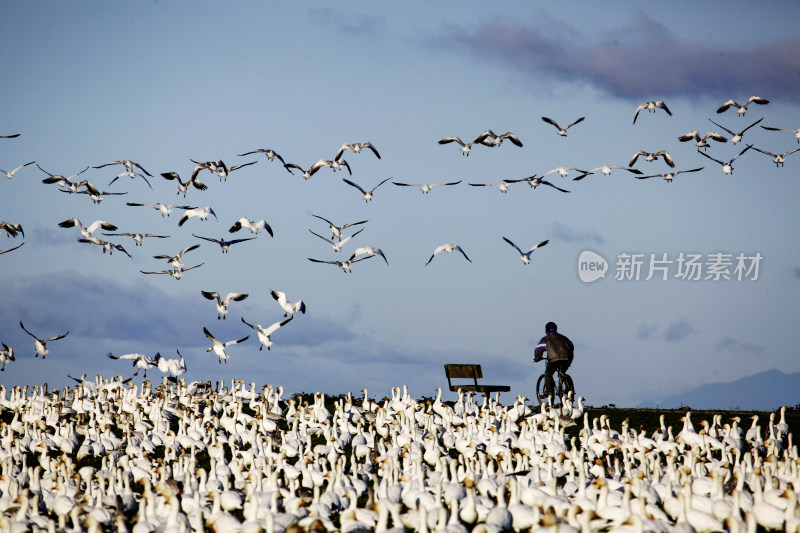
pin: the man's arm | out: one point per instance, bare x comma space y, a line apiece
538, 352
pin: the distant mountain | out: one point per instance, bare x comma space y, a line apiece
765, 391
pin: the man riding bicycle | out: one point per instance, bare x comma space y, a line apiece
560, 353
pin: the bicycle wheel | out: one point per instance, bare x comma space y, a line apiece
566, 385
540, 389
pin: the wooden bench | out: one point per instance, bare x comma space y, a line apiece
473, 372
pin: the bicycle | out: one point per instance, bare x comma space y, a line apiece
563, 385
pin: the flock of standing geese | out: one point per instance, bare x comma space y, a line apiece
180, 457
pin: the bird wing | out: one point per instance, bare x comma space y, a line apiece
641, 106
10, 249
211, 295
321, 261
371, 147
744, 130
356, 185
237, 341
190, 248
462, 251
708, 156
512, 244
218, 241
26, 330
406, 184
277, 325
323, 218
723, 127
545, 182
353, 224
236, 167
726, 105
452, 139
378, 185
764, 152
126, 356
210, 336
575, 122
666, 157
663, 106
743, 151
235, 296
551, 121
539, 245
248, 323
323, 238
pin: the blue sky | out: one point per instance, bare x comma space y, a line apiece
166, 82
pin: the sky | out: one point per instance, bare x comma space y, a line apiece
162, 83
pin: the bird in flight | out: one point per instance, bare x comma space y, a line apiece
41, 344
736, 137
219, 347
225, 245
449, 248
222, 303
562, 131
742, 109
425, 187
336, 231
727, 167
264, 333
669, 176
651, 106
526, 256
367, 194
356, 148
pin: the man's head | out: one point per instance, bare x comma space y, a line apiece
550, 327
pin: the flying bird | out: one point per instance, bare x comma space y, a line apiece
650, 157
651, 106
6, 356
370, 251
465, 147
223, 244
367, 194
10, 173
796, 132
95, 195
562, 171
222, 303
702, 142
491, 139
105, 245
502, 187
270, 153
219, 348
199, 212
132, 175
12, 230
356, 148
534, 182
311, 171
176, 273
736, 137
183, 186
173, 367
449, 248
526, 256
65, 182
140, 361
138, 238
742, 109
224, 172
10, 249
606, 171
425, 187
175, 260
264, 333
164, 209
727, 167
41, 344
254, 227
344, 265
86, 232
562, 131
778, 159
288, 307
669, 176
128, 164
336, 231
337, 245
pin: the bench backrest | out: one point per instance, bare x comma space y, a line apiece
472, 372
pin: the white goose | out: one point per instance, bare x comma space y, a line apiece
288, 307
176, 273
219, 347
164, 209
95, 195
742, 109
175, 260
128, 164
336, 231
356, 148
367, 194
337, 245
225, 245
727, 167
183, 186
138, 238
254, 227
449, 248
669, 176
526, 256
562, 171
311, 171
140, 361
425, 187
534, 182
86, 231
491, 139
562, 131
778, 159
651, 106
10, 173
736, 137
465, 147
6, 356
369, 250
222, 303
105, 245
11, 229
200, 212
269, 152
264, 333
502, 187
702, 142
346, 266
606, 171
132, 175
65, 182
223, 172
652, 156
173, 367
41, 344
